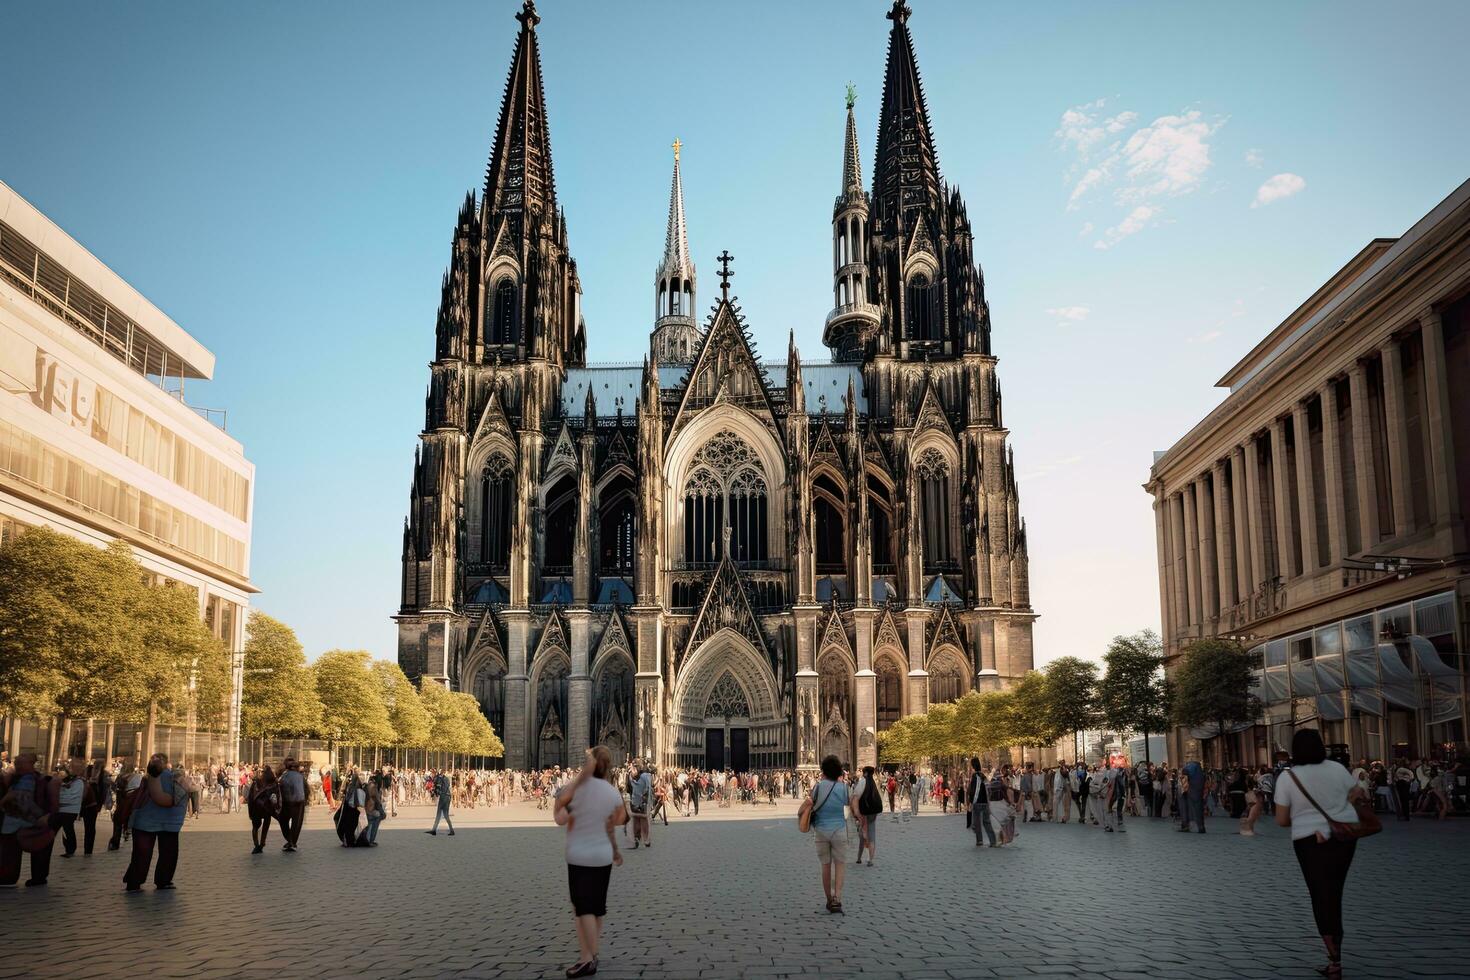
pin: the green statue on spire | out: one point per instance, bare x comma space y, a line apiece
851, 94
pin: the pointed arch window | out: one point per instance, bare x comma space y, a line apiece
618, 527
561, 526
890, 694
497, 494
501, 313
921, 308
829, 508
932, 471
946, 683
726, 488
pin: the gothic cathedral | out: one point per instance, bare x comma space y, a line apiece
708, 559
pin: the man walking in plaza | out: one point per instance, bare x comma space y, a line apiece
640, 791
978, 803
1117, 781
441, 811
293, 804
1193, 799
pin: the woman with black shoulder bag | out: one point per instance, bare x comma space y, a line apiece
1327, 812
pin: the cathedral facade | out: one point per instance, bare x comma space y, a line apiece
708, 559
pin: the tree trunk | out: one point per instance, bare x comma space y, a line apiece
149, 733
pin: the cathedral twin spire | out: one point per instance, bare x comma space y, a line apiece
519, 176
676, 331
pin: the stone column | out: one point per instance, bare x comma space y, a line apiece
865, 691
1238, 497
579, 688
1209, 596
1332, 474
1176, 555
517, 688
1398, 437
1255, 495
1443, 478
1285, 539
1306, 487
1191, 554
1363, 457
1166, 593
918, 675
1224, 553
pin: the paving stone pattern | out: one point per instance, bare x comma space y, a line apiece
736, 893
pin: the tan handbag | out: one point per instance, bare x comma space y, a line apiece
807, 812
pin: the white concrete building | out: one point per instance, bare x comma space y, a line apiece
96, 439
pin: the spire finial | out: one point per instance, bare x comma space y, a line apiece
677, 144
528, 16
851, 94
899, 13
725, 258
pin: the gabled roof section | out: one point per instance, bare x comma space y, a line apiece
906, 168
554, 635
487, 635
931, 414
726, 369
519, 177
835, 633
727, 606
616, 635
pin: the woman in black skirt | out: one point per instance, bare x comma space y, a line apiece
590, 808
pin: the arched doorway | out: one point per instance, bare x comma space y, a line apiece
727, 710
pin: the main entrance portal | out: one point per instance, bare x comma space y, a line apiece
727, 748
729, 710
714, 748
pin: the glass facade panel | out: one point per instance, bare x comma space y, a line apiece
26, 458
1328, 641
1276, 653
1299, 648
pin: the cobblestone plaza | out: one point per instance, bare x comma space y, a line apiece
736, 894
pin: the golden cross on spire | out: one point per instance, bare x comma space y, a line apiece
677, 144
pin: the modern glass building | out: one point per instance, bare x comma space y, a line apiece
98, 441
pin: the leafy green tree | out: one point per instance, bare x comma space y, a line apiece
481, 736
1212, 686
212, 687
406, 712
44, 576
1032, 719
447, 729
352, 699
1131, 693
1072, 689
280, 692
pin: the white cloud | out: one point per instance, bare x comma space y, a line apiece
1209, 336
1137, 220
1278, 187
1069, 314
1086, 230
1168, 157
1254, 158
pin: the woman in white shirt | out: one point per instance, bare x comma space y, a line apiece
1313, 790
590, 808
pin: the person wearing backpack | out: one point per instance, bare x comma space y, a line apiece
870, 808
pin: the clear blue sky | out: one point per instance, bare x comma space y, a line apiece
283, 178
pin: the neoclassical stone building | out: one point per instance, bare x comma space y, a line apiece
708, 559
